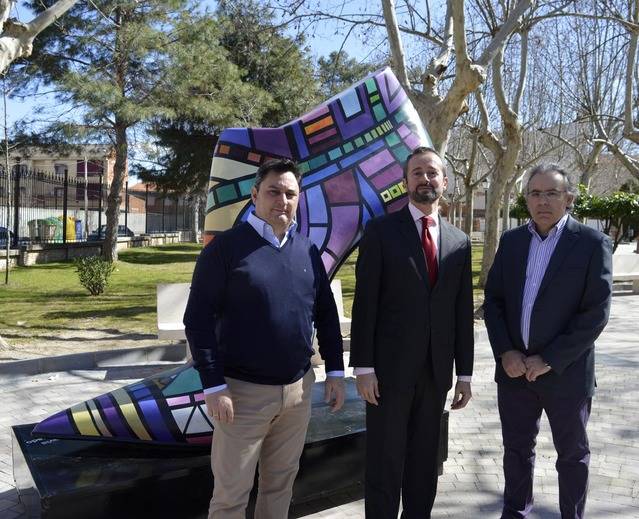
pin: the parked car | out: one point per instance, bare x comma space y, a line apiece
99, 234
3, 238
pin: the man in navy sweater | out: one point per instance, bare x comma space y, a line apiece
257, 291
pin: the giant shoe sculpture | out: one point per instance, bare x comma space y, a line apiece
350, 150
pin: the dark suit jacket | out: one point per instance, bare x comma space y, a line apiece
571, 309
398, 320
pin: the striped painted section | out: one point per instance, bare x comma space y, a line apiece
130, 414
318, 125
104, 431
82, 419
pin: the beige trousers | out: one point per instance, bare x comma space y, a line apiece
269, 427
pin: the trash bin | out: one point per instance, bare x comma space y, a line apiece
70, 228
78, 229
40, 230
34, 230
52, 230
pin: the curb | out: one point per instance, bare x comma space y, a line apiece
95, 359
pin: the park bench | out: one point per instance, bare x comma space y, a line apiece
625, 267
172, 299
171, 303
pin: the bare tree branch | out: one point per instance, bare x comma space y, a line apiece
509, 26
16, 39
523, 70
395, 43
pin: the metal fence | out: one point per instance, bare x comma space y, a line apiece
42, 207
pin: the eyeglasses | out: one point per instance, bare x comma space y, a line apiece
551, 195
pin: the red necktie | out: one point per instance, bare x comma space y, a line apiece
430, 249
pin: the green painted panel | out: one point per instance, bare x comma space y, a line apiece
335, 153
245, 186
226, 193
392, 139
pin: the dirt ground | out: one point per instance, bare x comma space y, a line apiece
21, 343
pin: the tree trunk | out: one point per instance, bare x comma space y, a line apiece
110, 250
470, 209
198, 200
592, 164
506, 211
491, 232
505, 171
110, 247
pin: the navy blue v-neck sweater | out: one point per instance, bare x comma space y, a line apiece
252, 308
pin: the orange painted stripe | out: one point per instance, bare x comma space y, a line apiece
318, 125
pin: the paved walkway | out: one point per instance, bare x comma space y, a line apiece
472, 480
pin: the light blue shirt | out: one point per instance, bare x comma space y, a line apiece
539, 255
265, 230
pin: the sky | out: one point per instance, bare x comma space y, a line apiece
322, 41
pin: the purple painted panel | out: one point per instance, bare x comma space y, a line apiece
376, 163
343, 230
154, 420
396, 205
178, 400
391, 176
319, 111
387, 87
412, 141
403, 130
322, 136
327, 260
57, 424
113, 419
342, 189
302, 215
236, 135
272, 141
317, 235
362, 122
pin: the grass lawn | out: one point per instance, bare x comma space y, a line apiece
45, 301
49, 298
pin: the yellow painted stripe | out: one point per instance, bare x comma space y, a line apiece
316, 126
98, 419
83, 421
130, 414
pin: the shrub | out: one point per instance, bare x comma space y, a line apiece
94, 273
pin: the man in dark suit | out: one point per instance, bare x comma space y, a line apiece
547, 300
412, 317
